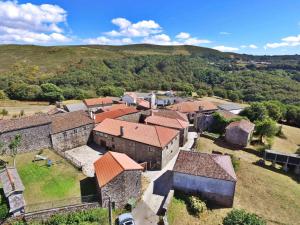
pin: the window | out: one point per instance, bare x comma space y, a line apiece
112, 139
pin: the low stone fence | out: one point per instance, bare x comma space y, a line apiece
69, 158
46, 214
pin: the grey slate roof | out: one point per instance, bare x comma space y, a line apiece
231, 106
76, 107
11, 181
16, 203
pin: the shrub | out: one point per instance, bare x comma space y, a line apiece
196, 205
235, 162
3, 206
241, 217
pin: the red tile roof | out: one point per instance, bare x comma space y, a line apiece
170, 114
243, 125
152, 135
143, 103
205, 165
193, 106
166, 122
99, 117
111, 164
114, 107
97, 101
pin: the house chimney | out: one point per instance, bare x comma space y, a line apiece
121, 131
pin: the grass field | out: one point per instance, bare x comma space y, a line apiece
60, 184
266, 191
15, 107
292, 141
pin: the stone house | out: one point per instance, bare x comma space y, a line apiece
209, 175
239, 132
180, 125
155, 145
34, 131
118, 178
70, 130
94, 104
13, 189
191, 108
113, 114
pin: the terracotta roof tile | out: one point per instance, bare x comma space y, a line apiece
193, 106
152, 135
67, 121
205, 165
111, 164
97, 101
143, 103
114, 107
166, 122
113, 114
242, 124
24, 122
170, 114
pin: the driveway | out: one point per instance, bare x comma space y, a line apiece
147, 210
192, 136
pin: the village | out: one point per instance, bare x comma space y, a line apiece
135, 152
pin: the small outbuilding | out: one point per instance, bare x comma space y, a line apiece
210, 175
118, 178
13, 189
239, 132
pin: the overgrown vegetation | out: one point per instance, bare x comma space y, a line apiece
241, 217
4, 208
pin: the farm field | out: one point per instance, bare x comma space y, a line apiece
266, 191
60, 184
29, 107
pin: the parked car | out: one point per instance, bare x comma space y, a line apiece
126, 219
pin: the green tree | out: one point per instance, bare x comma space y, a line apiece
3, 95
241, 217
3, 112
274, 110
14, 145
256, 111
110, 91
51, 93
266, 128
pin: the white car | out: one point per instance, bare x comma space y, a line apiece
126, 219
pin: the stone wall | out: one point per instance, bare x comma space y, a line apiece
138, 117
72, 138
203, 122
218, 191
32, 138
155, 157
237, 136
125, 186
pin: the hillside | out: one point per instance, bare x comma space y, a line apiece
93, 70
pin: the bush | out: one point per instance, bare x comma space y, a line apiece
196, 205
235, 162
3, 206
241, 217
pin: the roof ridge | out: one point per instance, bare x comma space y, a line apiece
211, 155
110, 152
157, 136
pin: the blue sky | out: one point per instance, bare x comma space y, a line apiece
254, 27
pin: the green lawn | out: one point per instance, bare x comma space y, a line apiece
58, 185
268, 192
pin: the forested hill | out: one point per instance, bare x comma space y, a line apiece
51, 73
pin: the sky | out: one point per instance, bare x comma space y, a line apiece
260, 27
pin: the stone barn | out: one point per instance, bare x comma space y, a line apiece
209, 175
118, 178
71, 130
239, 132
154, 145
180, 125
34, 131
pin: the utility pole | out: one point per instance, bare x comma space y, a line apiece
110, 210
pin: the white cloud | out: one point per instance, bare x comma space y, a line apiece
290, 41
195, 41
183, 35
252, 46
224, 33
142, 28
223, 48
29, 23
107, 41
159, 39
